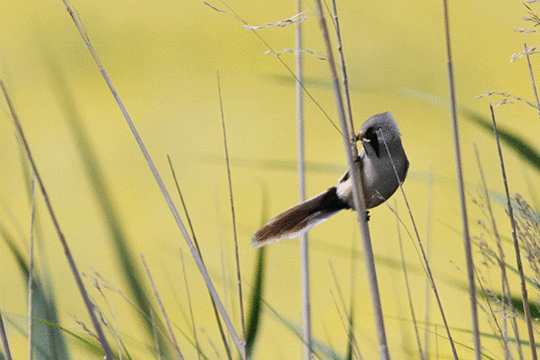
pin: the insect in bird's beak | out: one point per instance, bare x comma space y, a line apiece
360, 136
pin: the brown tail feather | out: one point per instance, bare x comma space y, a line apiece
299, 219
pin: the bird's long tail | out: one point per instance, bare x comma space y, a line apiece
299, 219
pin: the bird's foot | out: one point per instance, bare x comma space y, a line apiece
367, 215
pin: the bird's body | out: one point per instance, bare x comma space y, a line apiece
380, 159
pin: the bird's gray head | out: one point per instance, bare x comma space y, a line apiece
378, 130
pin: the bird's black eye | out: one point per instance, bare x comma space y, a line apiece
371, 135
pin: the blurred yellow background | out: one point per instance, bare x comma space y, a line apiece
163, 58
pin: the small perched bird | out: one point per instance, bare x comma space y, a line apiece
381, 142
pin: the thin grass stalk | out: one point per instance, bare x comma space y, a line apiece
352, 302
353, 263
126, 260
358, 195
524, 295
490, 311
5, 341
184, 206
31, 272
321, 351
159, 180
532, 80
427, 305
116, 333
340, 314
352, 339
192, 230
513, 320
461, 190
271, 50
408, 287
224, 276
347, 326
502, 265
188, 294
343, 67
67, 251
162, 308
304, 245
154, 328
427, 268
233, 213
112, 329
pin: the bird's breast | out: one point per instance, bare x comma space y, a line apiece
378, 178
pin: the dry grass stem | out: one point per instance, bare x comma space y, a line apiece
218, 9
407, 285
114, 331
296, 51
159, 180
461, 189
500, 316
358, 195
296, 19
291, 72
531, 74
233, 214
524, 294
190, 224
427, 305
491, 300
533, 17
67, 251
425, 261
163, 312
84, 327
506, 300
345, 323
304, 244
507, 98
348, 325
528, 232
155, 333
5, 342
192, 318
31, 271
531, 50
343, 66
525, 31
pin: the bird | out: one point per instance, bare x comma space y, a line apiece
381, 158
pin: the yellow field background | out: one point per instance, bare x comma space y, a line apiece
163, 58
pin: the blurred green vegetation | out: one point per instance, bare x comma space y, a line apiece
163, 58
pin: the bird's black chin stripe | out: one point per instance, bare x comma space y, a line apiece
371, 135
